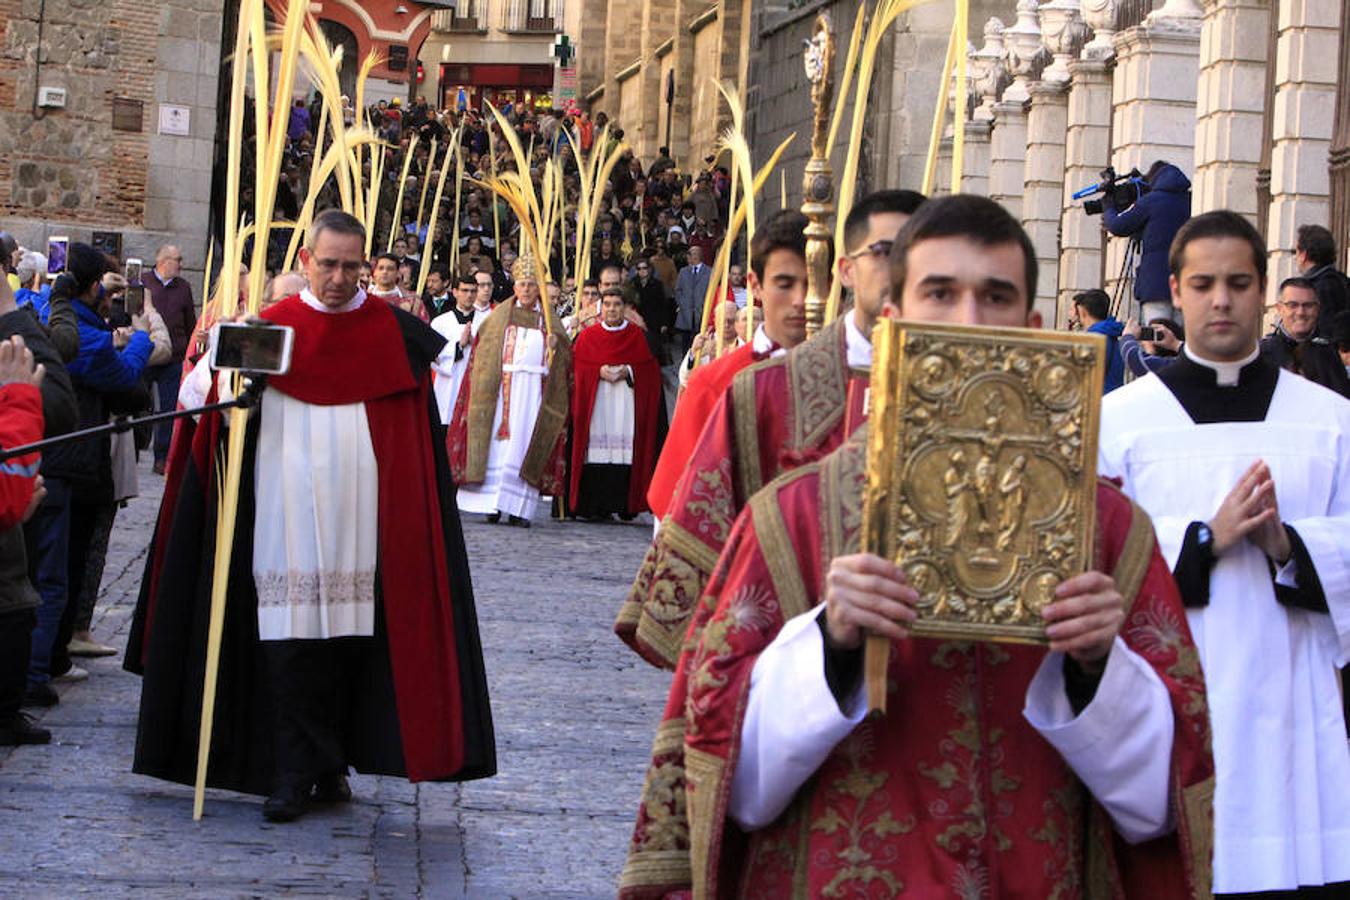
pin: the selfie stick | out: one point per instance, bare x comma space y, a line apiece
249, 397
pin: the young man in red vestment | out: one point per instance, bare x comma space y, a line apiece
350, 633
778, 280
797, 407
1081, 769
616, 399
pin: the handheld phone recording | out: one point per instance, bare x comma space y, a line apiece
57, 248
135, 300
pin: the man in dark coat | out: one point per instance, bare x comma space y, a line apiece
1295, 344
350, 636
1315, 256
1154, 218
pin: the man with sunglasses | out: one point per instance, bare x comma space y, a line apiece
799, 406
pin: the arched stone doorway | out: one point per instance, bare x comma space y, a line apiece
340, 35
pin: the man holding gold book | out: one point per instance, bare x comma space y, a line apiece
798, 406
350, 636
999, 769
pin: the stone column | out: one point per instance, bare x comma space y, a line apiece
1153, 99
1043, 179
1305, 98
1087, 150
1230, 100
1008, 144
975, 179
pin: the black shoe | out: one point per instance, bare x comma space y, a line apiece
41, 695
492, 518
332, 789
286, 805
518, 522
19, 729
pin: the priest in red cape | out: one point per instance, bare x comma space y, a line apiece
1078, 770
616, 402
350, 633
783, 327
774, 416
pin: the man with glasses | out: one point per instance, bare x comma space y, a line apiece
482, 301
1295, 345
348, 555
171, 296
798, 406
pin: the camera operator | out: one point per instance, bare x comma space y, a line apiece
1160, 207
1151, 352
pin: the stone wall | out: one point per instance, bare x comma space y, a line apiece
68, 171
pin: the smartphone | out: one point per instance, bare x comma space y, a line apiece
56, 254
256, 349
135, 299
1149, 333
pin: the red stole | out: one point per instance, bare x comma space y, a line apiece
596, 347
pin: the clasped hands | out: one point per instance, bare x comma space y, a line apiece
1251, 511
864, 592
614, 374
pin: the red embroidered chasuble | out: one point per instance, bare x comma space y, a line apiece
596, 347
775, 416
952, 792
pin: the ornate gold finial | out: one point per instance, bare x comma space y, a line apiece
818, 183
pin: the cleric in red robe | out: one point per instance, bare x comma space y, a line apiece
350, 636
1078, 769
778, 279
616, 399
796, 406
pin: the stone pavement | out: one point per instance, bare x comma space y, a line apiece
575, 711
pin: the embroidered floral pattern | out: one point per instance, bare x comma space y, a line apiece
712, 504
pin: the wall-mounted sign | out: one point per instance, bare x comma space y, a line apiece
175, 120
127, 114
398, 58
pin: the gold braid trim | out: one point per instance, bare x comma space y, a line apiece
661, 866
779, 555
1197, 830
553, 412
1135, 556
818, 384
677, 565
747, 430
703, 773
486, 376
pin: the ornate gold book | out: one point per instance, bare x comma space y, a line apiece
981, 472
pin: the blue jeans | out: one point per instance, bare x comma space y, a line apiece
48, 538
166, 382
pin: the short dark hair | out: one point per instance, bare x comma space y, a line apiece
379, 256
1094, 302
784, 230
887, 201
1317, 244
337, 221
978, 219
467, 279
1220, 223
612, 292
591, 282
86, 265
1297, 281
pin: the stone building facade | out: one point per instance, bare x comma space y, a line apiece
130, 152
657, 73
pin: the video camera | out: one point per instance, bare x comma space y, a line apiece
1124, 190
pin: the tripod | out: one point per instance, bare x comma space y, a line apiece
1125, 281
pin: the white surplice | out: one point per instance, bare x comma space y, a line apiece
1119, 745
1282, 801
503, 490
612, 418
448, 372
316, 528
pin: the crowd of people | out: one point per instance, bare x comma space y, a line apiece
1185, 721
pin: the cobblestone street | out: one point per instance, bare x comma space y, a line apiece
574, 709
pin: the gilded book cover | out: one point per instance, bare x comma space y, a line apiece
982, 462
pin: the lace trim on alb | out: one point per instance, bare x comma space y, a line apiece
296, 588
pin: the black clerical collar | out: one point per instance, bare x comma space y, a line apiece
1195, 384
464, 317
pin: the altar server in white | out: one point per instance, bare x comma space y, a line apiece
1245, 470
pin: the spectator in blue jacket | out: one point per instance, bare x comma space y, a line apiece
1155, 354
1155, 218
1091, 312
106, 370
